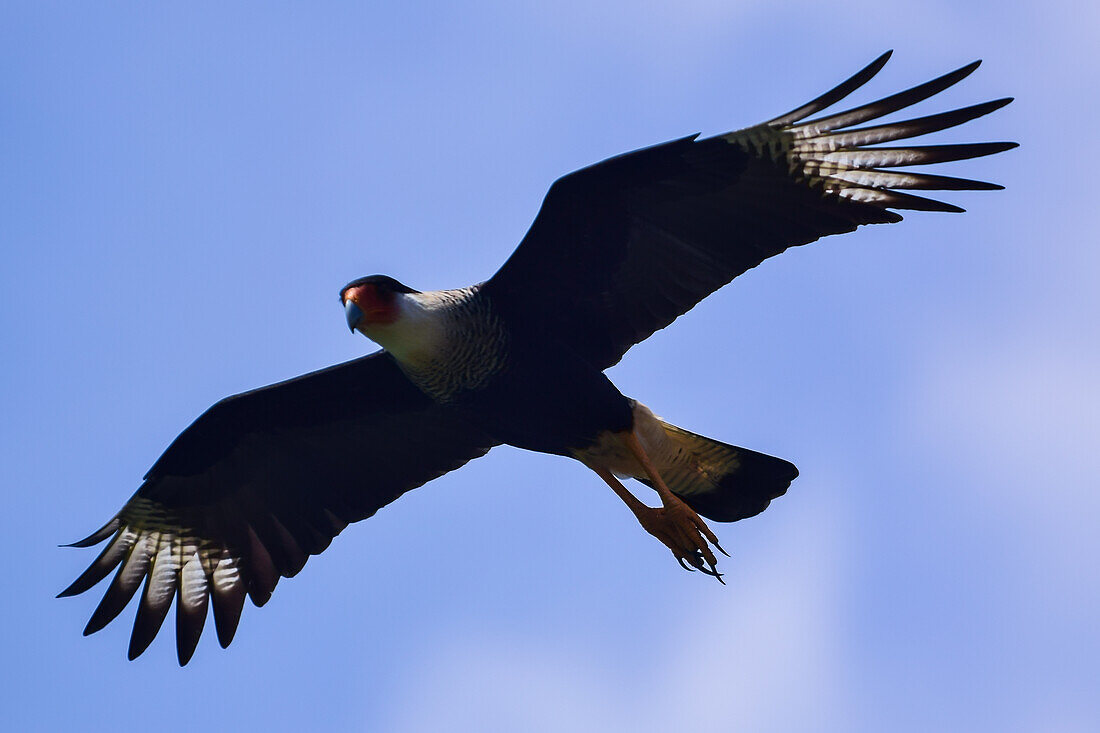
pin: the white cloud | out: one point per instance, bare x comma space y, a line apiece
1026, 410
1017, 422
731, 664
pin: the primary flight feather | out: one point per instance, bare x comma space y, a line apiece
264, 479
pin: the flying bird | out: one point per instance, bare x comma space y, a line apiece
618, 250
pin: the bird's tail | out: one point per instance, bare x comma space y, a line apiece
720, 481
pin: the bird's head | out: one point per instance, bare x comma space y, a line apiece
411, 325
373, 301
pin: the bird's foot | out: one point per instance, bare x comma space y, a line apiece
681, 530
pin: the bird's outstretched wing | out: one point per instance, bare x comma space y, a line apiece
260, 482
622, 248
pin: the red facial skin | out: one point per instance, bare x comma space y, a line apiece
378, 306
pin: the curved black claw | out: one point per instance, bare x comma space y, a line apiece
713, 572
684, 565
699, 563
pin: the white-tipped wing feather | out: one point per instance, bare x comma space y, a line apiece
637, 240
260, 482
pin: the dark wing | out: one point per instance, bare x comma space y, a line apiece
622, 248
260, 482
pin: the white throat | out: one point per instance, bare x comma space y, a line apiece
419, 332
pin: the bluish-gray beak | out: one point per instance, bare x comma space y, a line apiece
353, 313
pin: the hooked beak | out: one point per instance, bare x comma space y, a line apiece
354, 314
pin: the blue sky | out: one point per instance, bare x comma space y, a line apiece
183, 192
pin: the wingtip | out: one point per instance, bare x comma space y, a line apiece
964, 71
999, 147
876, 66
137, 647
184, 652
835, 94
98, 536
75, 588
937, 206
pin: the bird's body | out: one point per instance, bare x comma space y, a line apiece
467, 354
516, 385
265, 479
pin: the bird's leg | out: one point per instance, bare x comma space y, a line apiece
675, 530
675, 524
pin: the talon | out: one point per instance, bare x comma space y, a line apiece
685, 536
712, 571
676, 525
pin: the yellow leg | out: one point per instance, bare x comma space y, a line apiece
675, 524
